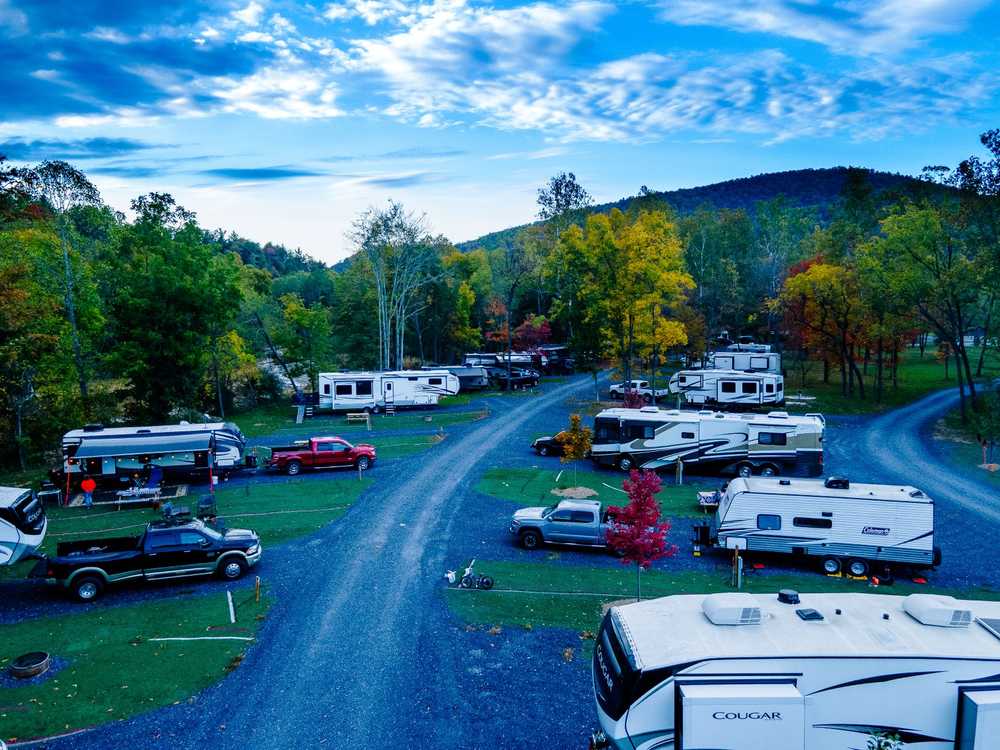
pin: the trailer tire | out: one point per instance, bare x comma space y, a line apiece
530, 539
744, 470
858, 568
832, 565
769, 470
543, 450
625, 463
232, 568
363, 463
87, 588
293, 468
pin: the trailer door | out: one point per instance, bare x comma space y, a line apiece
741, 716
387, 391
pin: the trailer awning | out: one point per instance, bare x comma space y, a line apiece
144, 445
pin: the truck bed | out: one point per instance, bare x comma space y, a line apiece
98, 547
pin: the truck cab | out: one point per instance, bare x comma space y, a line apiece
577, 522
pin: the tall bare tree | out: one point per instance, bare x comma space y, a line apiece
63, 186
512, 265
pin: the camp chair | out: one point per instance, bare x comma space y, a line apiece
207, 507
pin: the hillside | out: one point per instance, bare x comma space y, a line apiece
820, 188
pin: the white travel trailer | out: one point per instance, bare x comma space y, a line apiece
816, 672
108, 454
22, 524
744, 361
373, 391
731, 387
469, 378
744, 444
836, 521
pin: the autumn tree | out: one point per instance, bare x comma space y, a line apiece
576, 442
635, 532
512, 265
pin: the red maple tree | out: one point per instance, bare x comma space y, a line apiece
635, 531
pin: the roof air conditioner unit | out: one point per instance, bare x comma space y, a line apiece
934, 609
731, 609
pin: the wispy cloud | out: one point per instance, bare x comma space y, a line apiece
411, 179
259, 174
84, 148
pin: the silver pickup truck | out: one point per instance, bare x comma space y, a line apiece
580, 522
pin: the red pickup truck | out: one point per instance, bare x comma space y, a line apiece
321, 453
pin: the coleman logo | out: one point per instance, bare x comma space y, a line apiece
875, 531
749, 715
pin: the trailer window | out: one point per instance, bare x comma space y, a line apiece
768, 522
344, 389
781, 387
758, 363
772, 438
768, 387
435, 381
363, 388
749, 387
326, 389
728, 386
687, 435
813, 523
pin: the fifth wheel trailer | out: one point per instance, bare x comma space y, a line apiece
841, 523
728, 387
22, 524
809, 672
373, 391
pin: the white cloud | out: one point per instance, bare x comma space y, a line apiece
250, 15
12, 20
255, 36
278, 93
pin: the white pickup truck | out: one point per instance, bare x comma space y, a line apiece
641, 387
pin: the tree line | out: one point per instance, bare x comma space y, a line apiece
153, 318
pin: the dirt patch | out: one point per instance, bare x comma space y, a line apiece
943, 432
990, 467
575, 493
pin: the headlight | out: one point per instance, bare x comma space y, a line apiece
254, 550
515, 522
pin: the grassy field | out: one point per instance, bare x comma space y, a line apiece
960, 441
276, 510
278, 419
569, 596
534, 487
917, 377
111, 666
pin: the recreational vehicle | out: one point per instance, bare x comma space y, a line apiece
744, 444
469, 378
22, 524
374, 391
744, 361
809, 672
836, 521
112, 454
731, 387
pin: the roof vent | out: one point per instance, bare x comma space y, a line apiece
784, 482
934, 609
705, 411
778, 414
674, 411
731, 609
143, 430
649, 410
93, 427
837, 483
788, 596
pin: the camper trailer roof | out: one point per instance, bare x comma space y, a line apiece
817, 487
160, 429
652, 414
390, 373
675, 630
745, 374
10, 495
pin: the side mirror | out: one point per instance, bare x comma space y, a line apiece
205, 542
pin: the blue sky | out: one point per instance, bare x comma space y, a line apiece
283, 120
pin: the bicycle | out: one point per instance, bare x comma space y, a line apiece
470, 579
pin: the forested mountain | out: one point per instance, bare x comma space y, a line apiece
808, 188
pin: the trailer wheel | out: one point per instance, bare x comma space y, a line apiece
857, 568
87, 588
530, 539
744, 470
293, 468
625, 463
375, 409
543, 450
769, 471
831, 565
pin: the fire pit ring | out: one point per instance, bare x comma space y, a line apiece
30, 665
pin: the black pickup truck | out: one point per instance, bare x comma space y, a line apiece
166, 550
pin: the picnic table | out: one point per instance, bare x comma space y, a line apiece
361, 416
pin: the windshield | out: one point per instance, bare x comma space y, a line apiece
548, 510
211, 533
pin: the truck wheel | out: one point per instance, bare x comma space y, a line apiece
744, 470
625, 463
363, 463
857, 568
543, 450
293, 468
831, 565
530, 539
232, 568
87, 588
769, 471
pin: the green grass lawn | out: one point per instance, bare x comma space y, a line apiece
534, 487
280, 419
960, 441
113, 669
570, 596
917, 377
276, 510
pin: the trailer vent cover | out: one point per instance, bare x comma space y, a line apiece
837, 483
731, 609
934, 609
649, 410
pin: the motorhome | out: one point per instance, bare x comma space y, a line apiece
374, 391
798, 672
469, 378
744, 361
841, 523
729, 387
22, 524
744, 444
112, 454
535, 361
